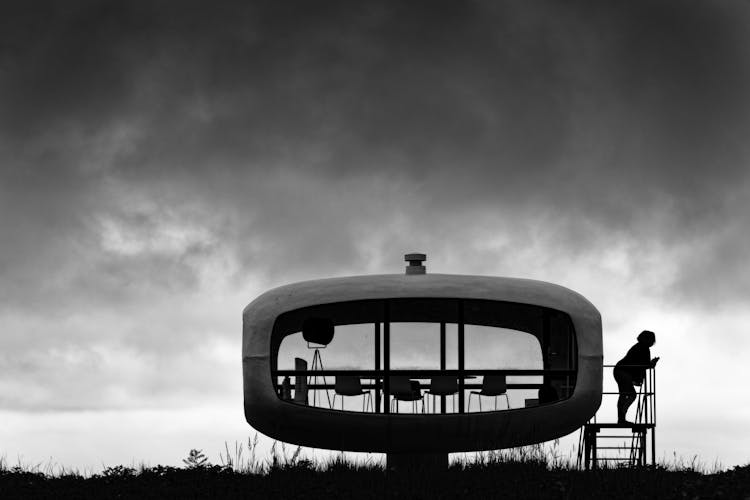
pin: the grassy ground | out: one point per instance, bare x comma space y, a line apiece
518, 474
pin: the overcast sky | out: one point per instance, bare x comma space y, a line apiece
162, 164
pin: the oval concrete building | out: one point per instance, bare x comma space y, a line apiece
568, 379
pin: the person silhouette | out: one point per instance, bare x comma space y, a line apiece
631, 370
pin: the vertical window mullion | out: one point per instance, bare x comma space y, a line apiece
461, 365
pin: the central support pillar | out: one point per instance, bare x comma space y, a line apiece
417, 462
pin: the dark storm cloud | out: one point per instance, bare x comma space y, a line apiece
285, 128
162, 163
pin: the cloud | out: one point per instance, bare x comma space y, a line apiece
160, 166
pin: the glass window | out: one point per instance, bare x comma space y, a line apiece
530, 349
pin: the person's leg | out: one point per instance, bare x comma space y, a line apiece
627, 394
623, 404
621, 409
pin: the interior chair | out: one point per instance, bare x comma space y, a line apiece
351, 385
404, 389
443, 385
493, 386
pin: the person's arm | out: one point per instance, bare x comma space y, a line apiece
642, 372
644, 357
644, 361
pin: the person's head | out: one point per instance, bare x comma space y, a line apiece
647, 337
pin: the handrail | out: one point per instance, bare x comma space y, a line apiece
382, 376
629, 366
426, 372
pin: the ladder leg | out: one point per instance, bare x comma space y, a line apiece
595, 464
653, 446
586, 449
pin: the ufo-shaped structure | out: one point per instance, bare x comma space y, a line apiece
288, 394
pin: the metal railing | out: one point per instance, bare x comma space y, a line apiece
378, 380
644, 422
645, 397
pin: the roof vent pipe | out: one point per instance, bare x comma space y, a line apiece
415, 263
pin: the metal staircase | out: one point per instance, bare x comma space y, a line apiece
606, 444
